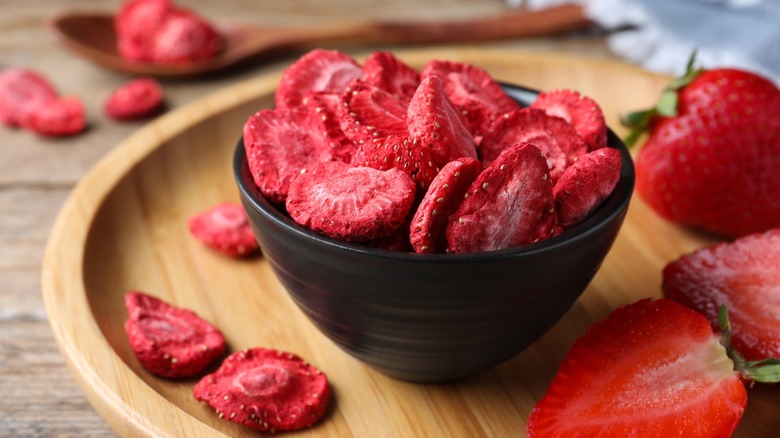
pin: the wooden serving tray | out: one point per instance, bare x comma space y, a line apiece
124, 228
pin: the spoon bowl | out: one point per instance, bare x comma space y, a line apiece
92, 36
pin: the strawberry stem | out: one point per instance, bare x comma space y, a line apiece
762, 371
639, 121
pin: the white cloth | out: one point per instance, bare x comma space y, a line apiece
661, 34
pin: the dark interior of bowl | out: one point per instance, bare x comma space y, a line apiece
434, 317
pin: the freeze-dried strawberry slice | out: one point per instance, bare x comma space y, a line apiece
355, 204
556, 138
170, 341
60, 117
510, 204
368, 112
473, 92
402, 153
581, 111
137, 23
324, 108
22, 92
398, 241
437, 125
384, 70
135, 99
319, 70
586, 184
279, 143
184, 37
225, 228
443, 197
267, 390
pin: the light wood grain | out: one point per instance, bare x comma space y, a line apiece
123, 228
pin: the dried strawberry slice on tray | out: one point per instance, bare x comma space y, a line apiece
443, 197
510, 204
225, 228
266, 390
170, 341
329, 71
351, 203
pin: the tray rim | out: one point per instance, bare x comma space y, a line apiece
61, 268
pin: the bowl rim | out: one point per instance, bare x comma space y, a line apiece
592, 224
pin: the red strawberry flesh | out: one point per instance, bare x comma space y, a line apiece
170, 341
651, 369
742, 275
266, 390
384, 70
60, 117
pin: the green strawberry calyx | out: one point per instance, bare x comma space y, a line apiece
762, 371
639, 121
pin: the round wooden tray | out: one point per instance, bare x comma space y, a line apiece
124, 228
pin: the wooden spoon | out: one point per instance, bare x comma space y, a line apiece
91, 35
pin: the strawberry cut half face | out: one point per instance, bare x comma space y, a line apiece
653, 368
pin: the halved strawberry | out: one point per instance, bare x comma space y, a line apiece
281, 142
653, 368
510, 204
437, 125
356, 204
330, 71
581, 111
473, 92
556, 138
743, 275
586, 184
386, 71
225, 228
170, 341
267, 390
443, 197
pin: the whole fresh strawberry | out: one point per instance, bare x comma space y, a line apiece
712, 156
653, 368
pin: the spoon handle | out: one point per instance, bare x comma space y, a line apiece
510, 24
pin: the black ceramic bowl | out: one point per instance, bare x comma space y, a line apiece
434, 317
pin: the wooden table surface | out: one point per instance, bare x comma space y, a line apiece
39, 396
